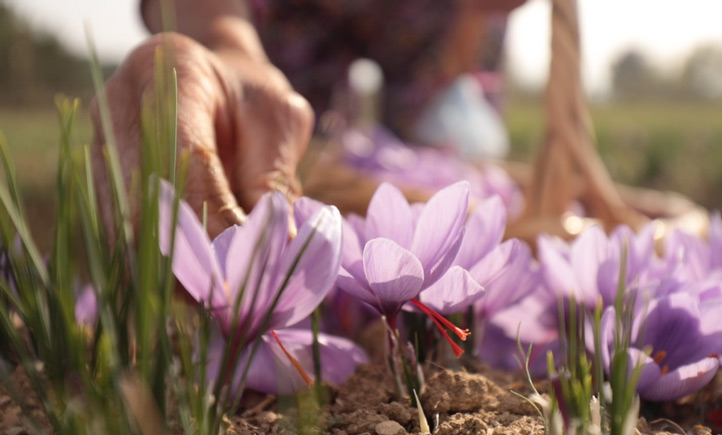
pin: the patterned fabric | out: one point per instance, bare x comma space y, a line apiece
314, 41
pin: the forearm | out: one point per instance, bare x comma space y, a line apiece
216, 24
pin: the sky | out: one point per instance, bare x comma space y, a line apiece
666, 30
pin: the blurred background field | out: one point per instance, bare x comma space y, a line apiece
660, 145
664, 145
654, 128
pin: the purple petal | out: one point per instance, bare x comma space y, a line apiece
389, 216
86, 306
649, 370
710, 310
440, 224
194, 262
304, 208
496, 262
268, 372
455, 291
309, 268
221, 243
358, 225
640, 247
507, 274
557, 270
351, 255
606, 332
607, 282
484, 231
339, 356
692, 253
589, 250
272, 372
534, 318
350, 285
682, 381
674, 325
715, 239
253, 254
501, 351
394, 273
442, 265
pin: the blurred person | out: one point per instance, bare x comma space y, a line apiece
254, 74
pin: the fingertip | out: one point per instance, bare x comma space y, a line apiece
234, 214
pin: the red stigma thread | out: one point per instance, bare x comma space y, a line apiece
441, 322
293, 360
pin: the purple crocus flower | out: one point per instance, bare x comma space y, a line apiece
533, 320
283, 363
399, 251
506, 270
677, 341
86, 306
253, 274
376, 151
589, 267
692, 258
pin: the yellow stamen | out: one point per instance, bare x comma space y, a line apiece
665, 369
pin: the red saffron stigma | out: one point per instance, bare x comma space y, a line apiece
293, 360
441, 322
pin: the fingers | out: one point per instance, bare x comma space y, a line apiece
199, 98
273, 126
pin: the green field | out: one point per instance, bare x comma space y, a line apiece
32, 136
666, 146
660, 145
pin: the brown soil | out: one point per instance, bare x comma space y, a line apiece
474, 400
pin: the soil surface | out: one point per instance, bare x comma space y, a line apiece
472, 400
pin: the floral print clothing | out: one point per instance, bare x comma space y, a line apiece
314, 41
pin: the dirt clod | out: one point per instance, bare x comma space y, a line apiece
390, 427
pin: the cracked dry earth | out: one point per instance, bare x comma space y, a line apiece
474, 400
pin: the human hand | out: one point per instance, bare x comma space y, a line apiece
241, 122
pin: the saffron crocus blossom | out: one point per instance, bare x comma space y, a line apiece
252, 278
508, 273
274, 369
398, 251
676, 340
379, 153
692, 258
589, 267
86, 305
505, 270
533, 320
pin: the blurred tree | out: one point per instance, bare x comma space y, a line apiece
633, 77
35, 66
701, 76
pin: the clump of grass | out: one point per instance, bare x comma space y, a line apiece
115, 375
579, 400
141, 365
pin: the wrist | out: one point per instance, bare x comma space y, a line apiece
216, 24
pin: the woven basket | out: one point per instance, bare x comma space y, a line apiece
567, 167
